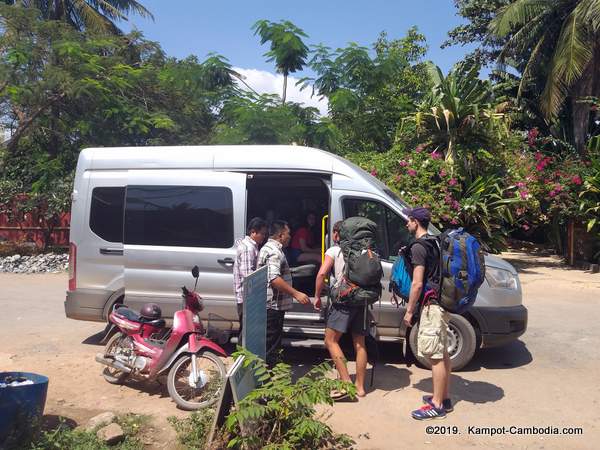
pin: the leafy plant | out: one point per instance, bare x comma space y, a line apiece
193, 430
281, 414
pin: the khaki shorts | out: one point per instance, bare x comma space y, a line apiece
432, 340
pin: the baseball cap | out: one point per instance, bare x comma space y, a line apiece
419, 213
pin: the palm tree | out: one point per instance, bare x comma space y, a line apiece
558, 44
97, 15
287, 48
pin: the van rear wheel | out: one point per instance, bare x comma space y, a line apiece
462, 343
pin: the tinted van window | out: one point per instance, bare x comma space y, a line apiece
184, 216
392, 234
106, 213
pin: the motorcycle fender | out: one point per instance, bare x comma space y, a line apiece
197, 343
180, 351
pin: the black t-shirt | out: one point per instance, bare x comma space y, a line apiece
427, 254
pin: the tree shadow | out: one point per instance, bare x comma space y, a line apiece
509, 356
465, 390
51, 422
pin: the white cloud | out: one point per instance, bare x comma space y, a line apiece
269, 83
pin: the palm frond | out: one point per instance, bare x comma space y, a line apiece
571, 57
519, 13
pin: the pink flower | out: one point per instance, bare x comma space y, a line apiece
419, 148
397, 177
525, 227
552, 193
520, 211
520, 184
558, 188
403, 163
576, 180
538, 156
453, 182
454, 221
531, 136
455, 205
442, 173
448, 199
436, 155
374, 171
412, 172
524, 194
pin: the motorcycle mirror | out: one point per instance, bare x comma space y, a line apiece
195, 271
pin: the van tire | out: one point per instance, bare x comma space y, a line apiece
462, 343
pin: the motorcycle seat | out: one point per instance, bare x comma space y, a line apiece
134, 316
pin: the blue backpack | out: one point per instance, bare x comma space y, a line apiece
402, 270
462, 270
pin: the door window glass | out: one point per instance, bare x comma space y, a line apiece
106, 213
392, 234
183, 216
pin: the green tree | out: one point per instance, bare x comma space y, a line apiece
558, 43
370, 91
477, 15
287, 48
96, 15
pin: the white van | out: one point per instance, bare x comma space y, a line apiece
142, 217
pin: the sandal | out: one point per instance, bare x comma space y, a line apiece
338, 395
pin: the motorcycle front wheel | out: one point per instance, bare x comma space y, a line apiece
192, 395
117, 344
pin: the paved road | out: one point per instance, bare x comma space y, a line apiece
547, 379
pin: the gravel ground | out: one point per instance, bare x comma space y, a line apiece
546, 379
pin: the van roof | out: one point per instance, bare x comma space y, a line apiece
283, 158
216, 157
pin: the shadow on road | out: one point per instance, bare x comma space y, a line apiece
462, 389
508, 356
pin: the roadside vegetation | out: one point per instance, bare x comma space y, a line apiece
513, 155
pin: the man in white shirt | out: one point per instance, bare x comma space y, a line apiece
246, 258
342, 319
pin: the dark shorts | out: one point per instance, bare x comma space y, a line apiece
292, 255
349, 318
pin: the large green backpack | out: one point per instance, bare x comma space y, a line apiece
361, 283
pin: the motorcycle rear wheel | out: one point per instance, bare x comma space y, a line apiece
190, 398
115, 345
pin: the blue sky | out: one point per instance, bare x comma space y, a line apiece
185, 27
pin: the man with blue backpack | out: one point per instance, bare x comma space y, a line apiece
435, 276
433, 321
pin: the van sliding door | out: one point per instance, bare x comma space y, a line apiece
175, 219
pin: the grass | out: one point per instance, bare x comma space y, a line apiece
193, 430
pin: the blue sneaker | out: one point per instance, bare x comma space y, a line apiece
428, 412
446, 403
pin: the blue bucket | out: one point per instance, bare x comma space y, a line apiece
21, 407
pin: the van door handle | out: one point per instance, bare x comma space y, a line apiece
227, 261
111, 251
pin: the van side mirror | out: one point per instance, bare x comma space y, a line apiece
195, 271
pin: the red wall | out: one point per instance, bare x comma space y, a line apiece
29, 230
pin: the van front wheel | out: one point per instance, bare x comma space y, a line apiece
462, 343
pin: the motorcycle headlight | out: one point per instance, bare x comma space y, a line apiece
500, 278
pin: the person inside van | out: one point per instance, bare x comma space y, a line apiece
246, 258
341, 319
279, 288
303, 249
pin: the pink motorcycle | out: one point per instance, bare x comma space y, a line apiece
143, 348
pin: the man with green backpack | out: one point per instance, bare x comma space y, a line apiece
358, 273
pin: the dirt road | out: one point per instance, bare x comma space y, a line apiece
547, 379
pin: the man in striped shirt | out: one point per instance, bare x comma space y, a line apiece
246, 256
279, 289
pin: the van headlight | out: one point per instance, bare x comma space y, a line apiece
500, 278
